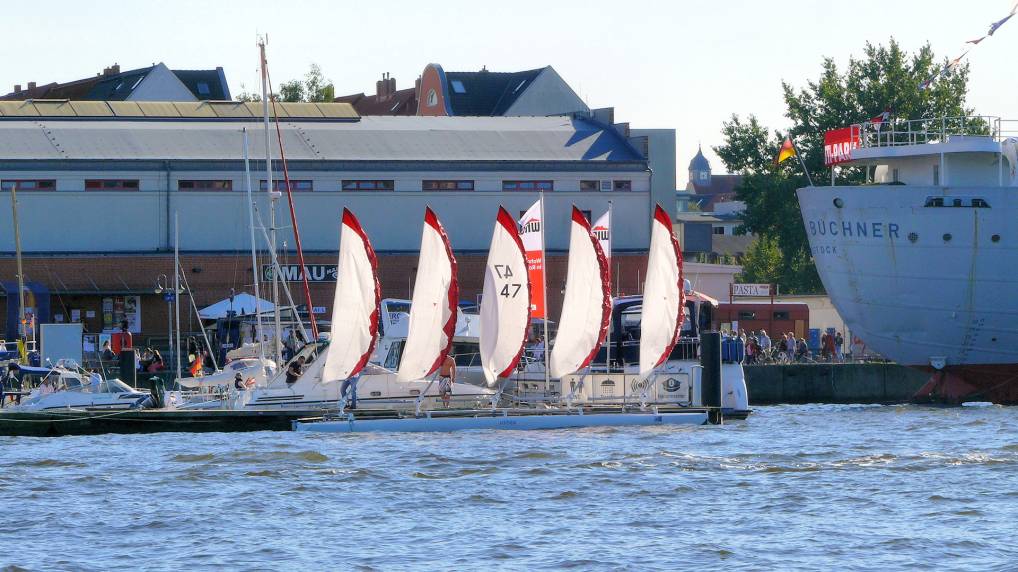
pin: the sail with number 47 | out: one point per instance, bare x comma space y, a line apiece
505, 303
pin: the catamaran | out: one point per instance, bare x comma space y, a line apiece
505, 318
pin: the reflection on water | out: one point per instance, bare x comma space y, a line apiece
795, 487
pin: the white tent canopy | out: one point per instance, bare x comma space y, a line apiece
242, 304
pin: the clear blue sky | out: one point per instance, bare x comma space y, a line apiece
680, 64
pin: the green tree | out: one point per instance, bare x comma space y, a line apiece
314, 87
887, 77
762, 262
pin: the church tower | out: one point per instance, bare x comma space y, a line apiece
699, 170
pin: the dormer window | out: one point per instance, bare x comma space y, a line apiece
432, 100
457, 86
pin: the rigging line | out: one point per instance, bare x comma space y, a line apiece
293, 213
279, 272
190, 296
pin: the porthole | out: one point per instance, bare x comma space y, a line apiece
995, 238
912, 237
839, 203
947, 237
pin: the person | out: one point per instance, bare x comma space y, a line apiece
829, 348
791, 344
12, 384
156, 364
294, 371
823, 347
238, 382
146, 359
765, 344
207, 365
801, 350
107, 353
94, 380
839, 342
446, 377
539, 349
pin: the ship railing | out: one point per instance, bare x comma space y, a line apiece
898, 132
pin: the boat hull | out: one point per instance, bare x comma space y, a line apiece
928, 287
536, 421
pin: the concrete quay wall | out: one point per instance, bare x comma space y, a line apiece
832, 383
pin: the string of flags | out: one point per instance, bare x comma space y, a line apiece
957, 61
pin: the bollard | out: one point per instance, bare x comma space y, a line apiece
710, 359
128, 367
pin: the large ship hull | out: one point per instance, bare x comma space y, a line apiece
932, 287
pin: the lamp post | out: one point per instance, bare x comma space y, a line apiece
163, 287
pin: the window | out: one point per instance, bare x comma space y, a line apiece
781, 316
747, 315
29, 185
935, 201
936, 175
432, 100
280, 185
368, 185
528, 185
203, 88
980, 204
111, 184
719, 230
447, 185
205, 185
590, 185
457, 86
622, 185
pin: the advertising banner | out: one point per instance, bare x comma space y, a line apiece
533, 243
838, 145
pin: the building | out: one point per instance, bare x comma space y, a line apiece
387, 99
154, 83
708, 189
101, 185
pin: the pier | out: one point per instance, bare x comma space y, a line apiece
832, 383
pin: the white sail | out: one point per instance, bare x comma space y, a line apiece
505, 304
433, 305
662, 295
586, 308
602, 229
355, 309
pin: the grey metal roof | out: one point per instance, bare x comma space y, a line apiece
370, 139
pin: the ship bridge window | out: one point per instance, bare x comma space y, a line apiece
958, 202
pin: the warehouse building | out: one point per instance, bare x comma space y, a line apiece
100, 184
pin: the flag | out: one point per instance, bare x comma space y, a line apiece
532, 236
994, 26
975, 42
787, 150
879, 120
602, 229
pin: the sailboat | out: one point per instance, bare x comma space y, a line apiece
585, 316
337, 372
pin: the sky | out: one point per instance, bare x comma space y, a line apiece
685, 65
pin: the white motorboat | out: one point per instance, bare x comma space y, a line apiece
67, 386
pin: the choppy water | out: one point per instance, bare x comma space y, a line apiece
810, 487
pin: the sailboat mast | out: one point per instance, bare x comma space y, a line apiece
608, 345
22, 325
274, 198
544, 286
254, 247
176, 282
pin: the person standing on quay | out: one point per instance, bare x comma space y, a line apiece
839, 342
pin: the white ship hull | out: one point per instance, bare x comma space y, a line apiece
926, 286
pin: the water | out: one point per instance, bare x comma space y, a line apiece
795, 487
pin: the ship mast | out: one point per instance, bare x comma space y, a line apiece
274, 195
22, 325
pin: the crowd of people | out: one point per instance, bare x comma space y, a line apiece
786, 348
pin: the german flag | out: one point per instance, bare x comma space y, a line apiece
787, 151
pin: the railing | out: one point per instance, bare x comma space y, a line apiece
897, 132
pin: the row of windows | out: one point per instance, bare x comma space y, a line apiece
308, 185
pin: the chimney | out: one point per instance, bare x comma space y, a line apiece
417, 88
112, 70
17, 87
392, 86
378, 89
31, 85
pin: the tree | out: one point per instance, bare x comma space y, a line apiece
885, 78
314, 87
762, 262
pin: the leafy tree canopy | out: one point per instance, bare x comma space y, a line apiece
886, 77
314, 88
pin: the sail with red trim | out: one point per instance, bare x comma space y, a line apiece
355, 308
433, 304
586, 308
505, 304
662, 295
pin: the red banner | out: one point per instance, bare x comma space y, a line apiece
838, 145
